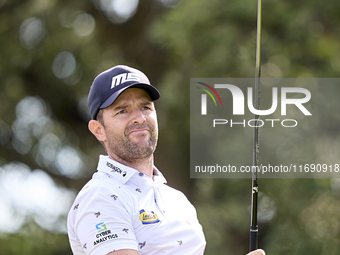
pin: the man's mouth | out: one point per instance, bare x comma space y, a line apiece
139, 131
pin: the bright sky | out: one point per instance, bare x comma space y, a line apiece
28, 194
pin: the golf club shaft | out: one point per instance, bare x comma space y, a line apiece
253, 244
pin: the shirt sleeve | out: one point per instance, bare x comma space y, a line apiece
102, 221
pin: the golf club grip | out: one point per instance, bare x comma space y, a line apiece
253, 244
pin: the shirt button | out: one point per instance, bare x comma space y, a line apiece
141, 174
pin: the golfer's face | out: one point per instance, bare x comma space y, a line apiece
131, 121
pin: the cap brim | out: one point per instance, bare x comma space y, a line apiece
151, 90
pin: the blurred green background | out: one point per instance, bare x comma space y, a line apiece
50, 52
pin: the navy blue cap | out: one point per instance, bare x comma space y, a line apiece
108, 85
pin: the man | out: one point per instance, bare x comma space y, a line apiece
126, 208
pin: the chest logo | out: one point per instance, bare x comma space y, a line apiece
148, 218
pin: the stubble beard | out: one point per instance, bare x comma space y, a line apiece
130, 151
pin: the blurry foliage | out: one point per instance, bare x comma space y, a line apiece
33, 240
51, 50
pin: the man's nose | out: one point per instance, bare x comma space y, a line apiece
138, 116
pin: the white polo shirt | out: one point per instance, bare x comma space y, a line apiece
122, 208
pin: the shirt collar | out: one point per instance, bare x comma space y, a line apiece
122, 172
158, 177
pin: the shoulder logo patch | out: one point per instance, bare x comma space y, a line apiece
103, 234
101, 227
148, 218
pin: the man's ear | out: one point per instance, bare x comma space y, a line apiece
97, 129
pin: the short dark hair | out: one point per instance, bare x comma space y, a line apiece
101, 121
100, 117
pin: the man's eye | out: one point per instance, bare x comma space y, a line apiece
121, 112
146, 108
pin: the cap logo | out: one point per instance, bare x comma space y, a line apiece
124, 77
